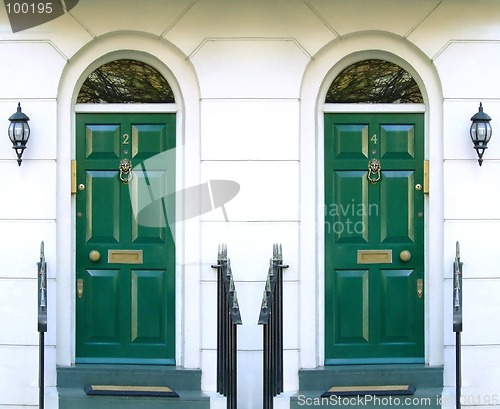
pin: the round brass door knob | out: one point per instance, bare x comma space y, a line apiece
405, 255
94, 255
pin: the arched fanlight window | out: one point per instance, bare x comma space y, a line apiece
374, 82
125, 81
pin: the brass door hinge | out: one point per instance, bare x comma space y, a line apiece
420, 288
79, 288
426, 176
73, 177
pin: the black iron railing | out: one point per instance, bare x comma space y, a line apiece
457, 323
42, 323
228, 318
271, 319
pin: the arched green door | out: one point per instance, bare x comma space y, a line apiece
125, 272
374, 238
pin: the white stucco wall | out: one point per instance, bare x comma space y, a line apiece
249, 80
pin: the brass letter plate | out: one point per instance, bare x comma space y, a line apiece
125, 256
374, 256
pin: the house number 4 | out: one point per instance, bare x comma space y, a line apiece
374, 139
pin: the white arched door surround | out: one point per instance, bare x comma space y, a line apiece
180, 74
320, 73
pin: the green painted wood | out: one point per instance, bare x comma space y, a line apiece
372, 311
126, 313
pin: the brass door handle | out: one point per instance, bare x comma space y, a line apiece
94, 256
405, 256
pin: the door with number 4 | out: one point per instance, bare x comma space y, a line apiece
374, 238
124, 271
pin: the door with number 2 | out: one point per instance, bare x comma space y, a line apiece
125, 274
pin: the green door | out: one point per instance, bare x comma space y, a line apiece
374, 238
125, 272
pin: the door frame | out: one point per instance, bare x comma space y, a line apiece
181, 76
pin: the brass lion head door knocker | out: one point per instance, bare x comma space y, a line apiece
374, 171
125, 170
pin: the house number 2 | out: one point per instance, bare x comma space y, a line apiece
125, 139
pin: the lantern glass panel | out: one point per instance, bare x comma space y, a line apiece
481, 132
13, 130
19, 133
25, 132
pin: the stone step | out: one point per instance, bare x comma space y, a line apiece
429, 398
76, 398
428, 383
140, 375
322, 378
71, 382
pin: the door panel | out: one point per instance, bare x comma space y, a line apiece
351, 141
148, 306
102, 141
126, 297
103, 207
397, 141
397, 222
103, 288
373, 312
157, 180
397, 310
148, 140
352, 304
350, 190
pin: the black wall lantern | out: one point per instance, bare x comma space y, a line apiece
480, 132
19, 132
